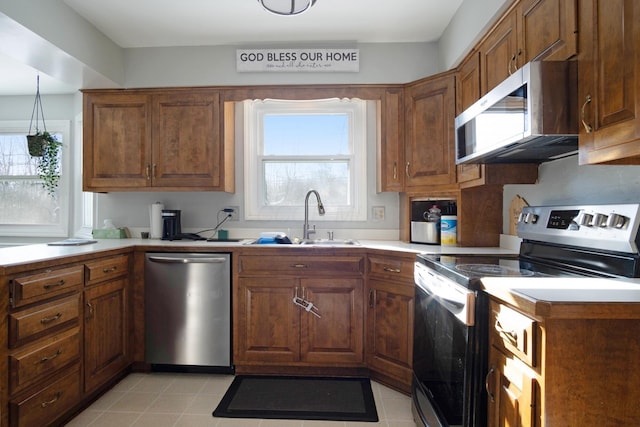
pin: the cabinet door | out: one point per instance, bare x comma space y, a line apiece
390, 329
511, 400
429, 137
468, 82
106, 349
267, 324
609, 81
116, 141
336, 336
500, 54
391, 144
549, 29
186, 140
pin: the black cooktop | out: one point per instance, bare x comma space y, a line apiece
467, 270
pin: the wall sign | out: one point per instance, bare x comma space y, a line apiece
298, 60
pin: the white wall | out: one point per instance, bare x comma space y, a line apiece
471, 20
216, 65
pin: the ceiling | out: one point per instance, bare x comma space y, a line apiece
163, 23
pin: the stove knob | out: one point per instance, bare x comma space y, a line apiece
585, 219
600, 220
616, 221
530, 217
521, 217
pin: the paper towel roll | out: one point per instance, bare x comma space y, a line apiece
155, 219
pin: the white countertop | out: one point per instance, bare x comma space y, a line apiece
567, 289
42, 252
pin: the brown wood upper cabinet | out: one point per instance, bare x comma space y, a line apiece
609, 81
390, 150
530, 30
429, 133
157, 140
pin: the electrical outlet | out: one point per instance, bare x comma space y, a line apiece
377, 213
235, 215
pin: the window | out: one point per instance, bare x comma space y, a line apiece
25, 207
294, 146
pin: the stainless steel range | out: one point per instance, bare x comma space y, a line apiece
451, 310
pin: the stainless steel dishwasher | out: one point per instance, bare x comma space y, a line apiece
188, 310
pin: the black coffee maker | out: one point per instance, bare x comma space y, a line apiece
171, 229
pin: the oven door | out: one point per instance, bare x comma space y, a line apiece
448, 357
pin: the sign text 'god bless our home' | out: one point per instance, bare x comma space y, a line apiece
298, 60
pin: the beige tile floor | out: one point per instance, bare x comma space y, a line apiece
187, 400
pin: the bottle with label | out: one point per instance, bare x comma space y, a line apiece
448, 230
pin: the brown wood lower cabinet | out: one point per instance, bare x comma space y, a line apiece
106, 350
390, 311
272, 330
572, 366
43, 406
49, 320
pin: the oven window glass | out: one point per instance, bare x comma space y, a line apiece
440, 356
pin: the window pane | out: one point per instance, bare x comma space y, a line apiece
14, 157
287, 183
306, 134
25, 202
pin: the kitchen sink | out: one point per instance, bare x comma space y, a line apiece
317, 242
327, 242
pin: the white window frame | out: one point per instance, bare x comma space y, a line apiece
254, 112
64, 186
84, 206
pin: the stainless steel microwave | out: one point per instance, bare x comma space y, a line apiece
531, 117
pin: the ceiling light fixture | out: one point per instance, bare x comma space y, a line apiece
287, 7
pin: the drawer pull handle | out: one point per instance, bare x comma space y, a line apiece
52, 401
54, 285
486, 384
391, 269
299, 266
110, 269
511, 335
46, 320
48, 358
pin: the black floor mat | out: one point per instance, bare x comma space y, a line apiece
303, 398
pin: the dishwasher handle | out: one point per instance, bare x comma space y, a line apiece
187, 260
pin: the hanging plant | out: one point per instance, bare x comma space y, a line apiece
49, 162
45, 146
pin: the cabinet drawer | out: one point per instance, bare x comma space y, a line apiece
37, 321
389, 267
39, 361
104, 269
36, 287
514, 332
329, 265
45, 406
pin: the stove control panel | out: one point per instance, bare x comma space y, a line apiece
606, 227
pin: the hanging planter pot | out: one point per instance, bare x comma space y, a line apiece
36, 143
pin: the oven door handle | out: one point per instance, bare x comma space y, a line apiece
454, 298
